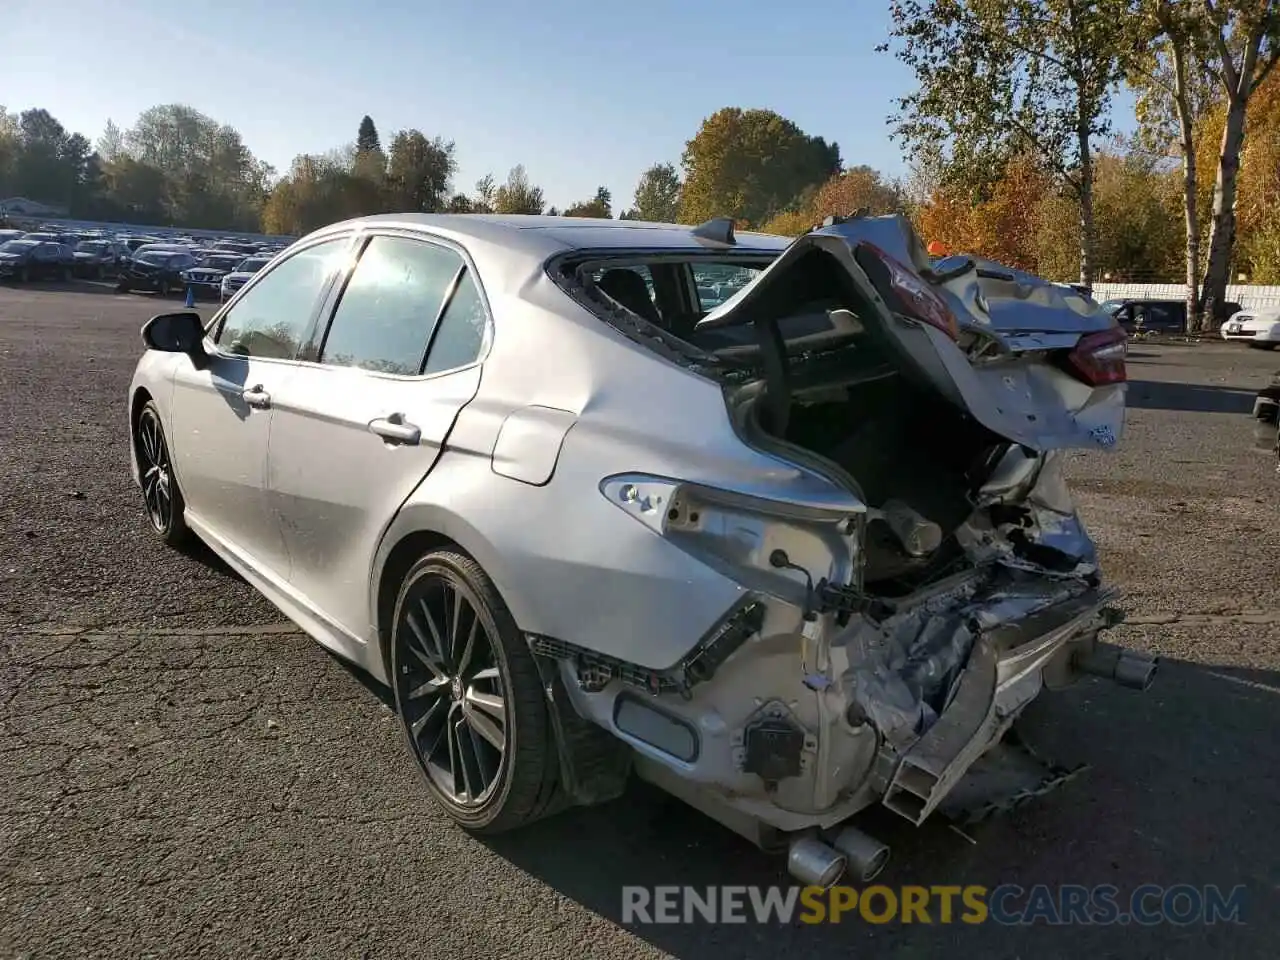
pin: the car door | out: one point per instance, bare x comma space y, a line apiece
46, 259
358, 427
221, 415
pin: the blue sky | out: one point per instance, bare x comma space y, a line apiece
581, 93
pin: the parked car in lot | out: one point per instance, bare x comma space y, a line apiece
241, 275
1266, 417
1158, 316
787, 558
156, 268
96, 259
205, 278
25, 259
1257, 328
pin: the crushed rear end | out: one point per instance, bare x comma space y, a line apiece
890, 640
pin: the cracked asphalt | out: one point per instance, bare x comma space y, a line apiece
183, 774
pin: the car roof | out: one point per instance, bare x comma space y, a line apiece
544, 236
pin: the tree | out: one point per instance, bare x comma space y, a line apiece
419, 171
485, 196
1245, 39
1004, 78
858, 188
750, 165
459, 203
1175, 92
657, 197
111, 143
599, 206
210, 175
517, 195
367, 137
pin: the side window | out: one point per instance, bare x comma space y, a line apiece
459, 339
390, 305
640, 269
272, 319
717, 282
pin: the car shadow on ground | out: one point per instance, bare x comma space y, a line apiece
1157, 760
1188, 397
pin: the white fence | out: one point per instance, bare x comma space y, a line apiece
1248, 296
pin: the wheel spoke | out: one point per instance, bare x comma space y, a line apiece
467, 759
464, 659
436, 685
491, 704
488, 673
454, 627
432, 711
442, 649
485, 727
485, 760
429, 658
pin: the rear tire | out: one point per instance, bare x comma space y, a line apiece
470, 697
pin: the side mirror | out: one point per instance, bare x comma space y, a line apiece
177, 333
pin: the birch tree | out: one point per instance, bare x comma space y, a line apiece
999, 79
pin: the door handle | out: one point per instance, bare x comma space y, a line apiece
256, 397
394, 429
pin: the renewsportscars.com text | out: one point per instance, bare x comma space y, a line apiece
1007, 904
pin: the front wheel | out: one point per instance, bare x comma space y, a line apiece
469, 697
160, 491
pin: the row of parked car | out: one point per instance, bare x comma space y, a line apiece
161, 265
1258, 328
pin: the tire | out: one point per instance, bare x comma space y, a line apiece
22, 275
439, 677
122, 286
162, 288
160, 492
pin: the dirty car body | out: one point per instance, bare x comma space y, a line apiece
805, 553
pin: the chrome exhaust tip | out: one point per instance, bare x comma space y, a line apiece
814, 863
1133, 669
1137, 672
865, 855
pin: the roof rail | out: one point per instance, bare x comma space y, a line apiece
717, 230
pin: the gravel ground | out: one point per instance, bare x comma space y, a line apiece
183, 774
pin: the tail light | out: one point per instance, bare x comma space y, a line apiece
1098, 358
907, 292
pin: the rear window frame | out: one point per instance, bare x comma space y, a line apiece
566, 270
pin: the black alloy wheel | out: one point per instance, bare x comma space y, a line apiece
469, 696
160, 491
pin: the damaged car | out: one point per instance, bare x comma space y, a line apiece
787, 557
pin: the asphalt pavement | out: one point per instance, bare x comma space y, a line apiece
183, 774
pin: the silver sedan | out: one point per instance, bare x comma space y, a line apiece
786, 556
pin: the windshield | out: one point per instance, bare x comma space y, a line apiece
1111, 306
156, 258
90, 246
253, 265
18, 246
220, 263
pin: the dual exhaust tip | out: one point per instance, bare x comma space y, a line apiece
816, 863
1134, 669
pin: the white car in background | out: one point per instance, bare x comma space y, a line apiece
1258, 328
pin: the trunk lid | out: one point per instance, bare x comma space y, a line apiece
1005, 360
